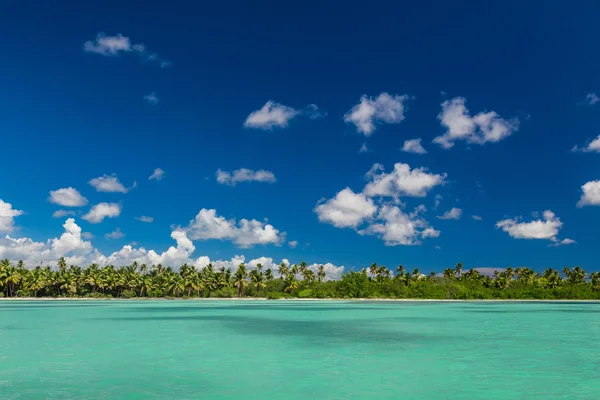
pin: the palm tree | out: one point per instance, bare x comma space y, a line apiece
449, 273
239, 279
400, 270
269, 275
283, 270
321, 273
459, 269
256, 278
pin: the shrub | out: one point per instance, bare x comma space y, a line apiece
306, 293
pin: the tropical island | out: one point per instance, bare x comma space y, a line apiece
292, 281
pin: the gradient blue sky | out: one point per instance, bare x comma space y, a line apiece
71, 115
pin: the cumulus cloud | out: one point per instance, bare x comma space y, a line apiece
590, 195
152, 98
485, 127
276, 115
158, 174
402, 181
118, 44
116, 234
369, 214
244, 175
67, 197
245, 233
101, 211
346, 209
546, 228
144, 218
591, 99
109, 183
454, 213
396, 227
7, 215
370, 112
79, 252
62, 213
271, 115
414, 146
592, 147
293, 244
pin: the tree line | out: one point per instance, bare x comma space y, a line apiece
292, 281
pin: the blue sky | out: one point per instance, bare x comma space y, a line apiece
124, 89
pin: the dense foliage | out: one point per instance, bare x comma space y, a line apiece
292, 281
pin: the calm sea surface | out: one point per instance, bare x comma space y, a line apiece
298, 350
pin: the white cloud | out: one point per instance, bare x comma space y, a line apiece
101, 211
7, 215
152, 98
454, 213
116, 234
476, 217
592, 98
314, 112
398, 228
592, 147
79, 252
69, 245
562, 242
293, 244
271, 115
158, 174
402, 181
364, 148
546, 228
346, 209
590, 195
438, 200
372, 111
144, 218
115, 45
244, 175
62, 213
414, 146
482, 128
87, 235
109, 183
67, 197
246, 233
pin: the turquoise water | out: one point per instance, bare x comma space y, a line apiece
298, 350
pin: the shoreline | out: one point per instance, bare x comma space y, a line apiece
264, 299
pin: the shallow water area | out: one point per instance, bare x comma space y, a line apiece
298, 350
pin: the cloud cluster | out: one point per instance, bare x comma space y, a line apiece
368, 213
245, 233
485, 127
114, 45
80, 252
244, 175
7, 215
546, 228
370, 112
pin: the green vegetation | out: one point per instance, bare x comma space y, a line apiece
295, 281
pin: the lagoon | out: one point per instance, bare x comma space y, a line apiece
298, 350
